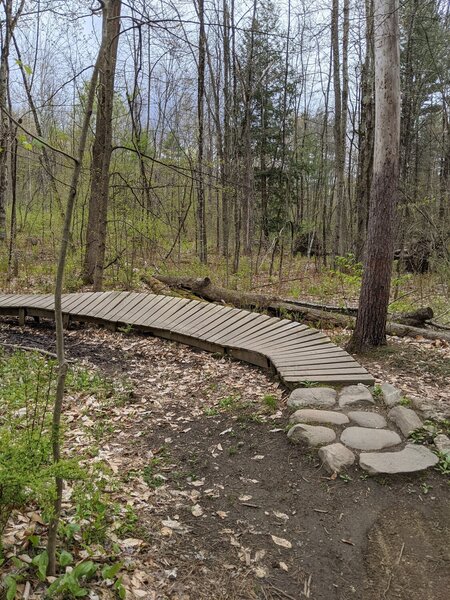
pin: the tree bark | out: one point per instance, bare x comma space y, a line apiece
370, 327
60, 351
101, 152
10, 23
201, 204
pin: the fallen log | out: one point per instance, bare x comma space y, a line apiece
203, 288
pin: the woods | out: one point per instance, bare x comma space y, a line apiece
264, 181
234, 136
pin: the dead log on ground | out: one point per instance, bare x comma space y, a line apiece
203, 288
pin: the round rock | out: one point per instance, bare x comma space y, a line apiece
442, 443
412, 458
319, 397
405, 419
336, 457
391, 395
363, 438
355, 395
311, 415
367, 419
311, 435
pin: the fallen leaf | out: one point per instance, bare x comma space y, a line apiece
281, 542
197, 510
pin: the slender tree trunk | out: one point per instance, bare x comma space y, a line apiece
370, 327
101, 152
226, 157
60, 351
339, 156
201, 204
10, 23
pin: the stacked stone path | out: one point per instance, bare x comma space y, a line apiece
351, 425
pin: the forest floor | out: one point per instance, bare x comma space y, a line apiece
222, 505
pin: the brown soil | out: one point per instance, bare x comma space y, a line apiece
225, 457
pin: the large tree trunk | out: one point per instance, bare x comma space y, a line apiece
366, 129
370, 327
101, 152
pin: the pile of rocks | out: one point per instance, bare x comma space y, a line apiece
351, 421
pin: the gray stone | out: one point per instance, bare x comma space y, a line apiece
354, 395
391, 395
336, 457
412, 458
405, 419
367, 419
442, 443
311, 435
319, 397
364, 438
311, 415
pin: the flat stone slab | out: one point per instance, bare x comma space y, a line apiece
363, 438
367, 419
442, 443
311, 415
412, 458
320, 397
391, 395
405, 419
336, 457
311, 435
355, 395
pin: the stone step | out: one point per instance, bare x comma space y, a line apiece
409, 460
363, 438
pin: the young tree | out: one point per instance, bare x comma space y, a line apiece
10, 22
370, 329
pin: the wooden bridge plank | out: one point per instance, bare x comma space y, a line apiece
164, 312
250, 322
126, 306
78, 305
209, 329
142, 308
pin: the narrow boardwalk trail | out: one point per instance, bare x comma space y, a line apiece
295, 352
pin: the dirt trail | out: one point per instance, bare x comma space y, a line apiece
241, 513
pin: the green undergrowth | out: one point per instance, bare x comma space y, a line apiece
27, 476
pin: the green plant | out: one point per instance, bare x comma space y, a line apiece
425, 487
71, 583
345, 477
443, 465
271, 402
150, 473
229, 401
126, 329
309, 384
377, 392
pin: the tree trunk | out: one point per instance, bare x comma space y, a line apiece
370, 327
10, 23
201, 204
101, 152
366, 133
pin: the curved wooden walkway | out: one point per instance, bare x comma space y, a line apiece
294, 351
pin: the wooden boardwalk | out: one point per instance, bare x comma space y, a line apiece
297, 353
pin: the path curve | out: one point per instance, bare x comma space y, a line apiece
295, 352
